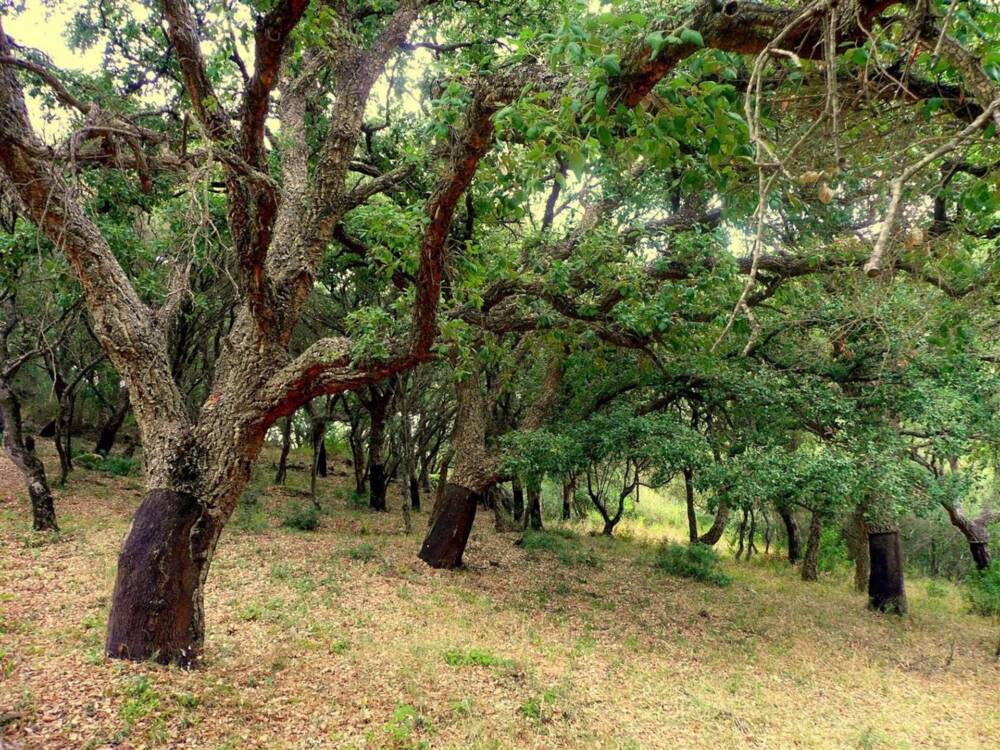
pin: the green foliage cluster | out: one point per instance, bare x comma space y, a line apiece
983, 591
697, 561
119, 466
301, 516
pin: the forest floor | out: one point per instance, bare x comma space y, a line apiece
341, 638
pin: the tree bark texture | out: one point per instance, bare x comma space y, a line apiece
20, 449
157, 608
791, 533
108, 433
286, 447
470, 475
568, 493
533, 518
517, 493
976, 532
692, 516
718, 527
886, 589
810, 563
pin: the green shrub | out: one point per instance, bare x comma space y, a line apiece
302, 517
250, 516
698, 561
141, 700
119, 466
935, 590
983, 591
89, 460
833, 552
540, 540
365, 552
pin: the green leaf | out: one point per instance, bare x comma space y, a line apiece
577, 162
656, 42
611, 64
690, 36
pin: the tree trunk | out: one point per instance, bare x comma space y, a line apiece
21, 451
60, 425
886, 590
471, 476
453, 516
377, 484
109, 430
322, 464
517, 491
501, 503
317, 439
981, 554
791, 532
689, 499
752, 534
533, 517
569, 491
714, 534
378, 408
742, 535
810, 563
156, 609
286, 446
59, 441
862, 559
414, 492
976, 533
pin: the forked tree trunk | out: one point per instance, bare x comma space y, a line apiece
976, 533
286, 446
742, 535
886, 590
157, 609
692, 516
718, 527
20, 449
810, 563
791, 533
517, 492
112, 425
752, 535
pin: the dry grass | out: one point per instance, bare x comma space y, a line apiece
340, 638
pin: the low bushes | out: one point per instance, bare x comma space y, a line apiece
698, 561
983, 591
119, 466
